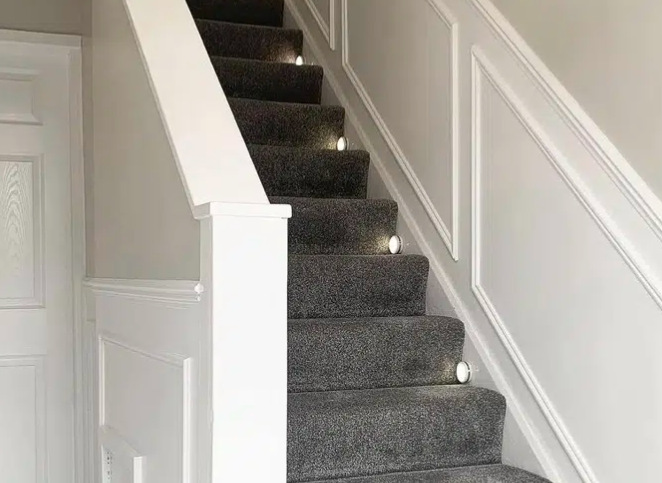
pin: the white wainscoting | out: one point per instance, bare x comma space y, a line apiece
555, 258
119, 461
431, 125
151, 403
324, 13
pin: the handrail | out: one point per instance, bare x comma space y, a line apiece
211, 155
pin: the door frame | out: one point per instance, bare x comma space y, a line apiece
69, 47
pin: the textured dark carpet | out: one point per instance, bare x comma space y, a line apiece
269, 81
339, 434
324, 286
257, 12
311, 173
250, 42
288, 124
365, 353
372, 394
340, 226
469, 474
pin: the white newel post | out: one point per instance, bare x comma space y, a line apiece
244, 273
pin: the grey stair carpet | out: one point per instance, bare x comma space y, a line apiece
470, 474
257, 12
344, 433
371, 378
367, 353
250, 42
311, 173
324, 286
269, 81
340, 226
288, 124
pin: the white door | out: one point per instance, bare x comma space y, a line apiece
36, 295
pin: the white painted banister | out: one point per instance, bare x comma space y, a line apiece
211, 155
233, 350
244, 272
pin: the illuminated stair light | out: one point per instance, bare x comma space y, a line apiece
342, 143
299, 60
463, 372
395, 245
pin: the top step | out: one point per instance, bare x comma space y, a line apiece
255, 12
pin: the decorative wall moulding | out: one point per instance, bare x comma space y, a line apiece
184, 292
484, 73
22, 278
647, 204
328, 30
448, 231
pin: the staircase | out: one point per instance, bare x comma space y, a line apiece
372, 389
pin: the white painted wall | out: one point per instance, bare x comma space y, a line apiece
142, 226
54, 16
542, 238
604, 52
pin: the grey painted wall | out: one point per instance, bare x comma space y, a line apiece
606, 53
139, 225
55, 16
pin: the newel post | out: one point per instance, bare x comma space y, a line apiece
244, 274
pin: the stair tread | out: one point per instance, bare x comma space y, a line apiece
256, 12
340, 226
339, 434
324, 173
288, 123
327, 286
226, 39
270, 81
373, 352
470, 474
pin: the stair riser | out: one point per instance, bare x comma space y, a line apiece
257, 12
258, 43
406, 430
328, 287
311, 173
339, 227
338, 354
472, 474
269, 81
295, 125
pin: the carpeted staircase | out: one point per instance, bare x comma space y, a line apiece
372, 390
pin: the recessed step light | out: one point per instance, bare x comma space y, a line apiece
395, 245
342, 143
299, 60
463, 372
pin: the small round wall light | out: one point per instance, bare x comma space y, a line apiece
299, 60
342, 143
395, 245
463, 372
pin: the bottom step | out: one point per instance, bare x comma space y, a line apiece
344, 434
472, 474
